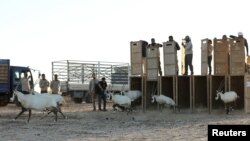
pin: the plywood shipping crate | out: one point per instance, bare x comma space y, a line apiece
152, 64
237, 57
138, 52
170, 58
204, 48
221, 59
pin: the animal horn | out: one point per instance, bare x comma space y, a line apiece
154, 89
221, 85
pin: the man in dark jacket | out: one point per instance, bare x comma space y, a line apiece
156, 45
171, 39
177, 47
102, 85
240, 36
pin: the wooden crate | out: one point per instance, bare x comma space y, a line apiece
221, 58
170, 70
152, 74
204, 65
237, 57
152, 52
237, 68
152, 64
136, 57
170, 58
136, 69
247, 105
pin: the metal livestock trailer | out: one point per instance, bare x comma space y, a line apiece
75, 76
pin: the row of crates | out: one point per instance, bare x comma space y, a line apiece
140, 64
195, 93
229, 58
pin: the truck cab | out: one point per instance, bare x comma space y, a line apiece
17, 73
10, 77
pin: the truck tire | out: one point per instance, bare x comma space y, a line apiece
4, 100
88, 98
78, 100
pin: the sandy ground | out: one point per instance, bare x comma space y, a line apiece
83, 124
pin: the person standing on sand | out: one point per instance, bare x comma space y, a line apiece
44, 84
102, 96
55, 85
92, 89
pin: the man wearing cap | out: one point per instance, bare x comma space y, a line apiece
188, 55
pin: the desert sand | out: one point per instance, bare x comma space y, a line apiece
83, 124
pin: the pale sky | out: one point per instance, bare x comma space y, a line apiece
37, 32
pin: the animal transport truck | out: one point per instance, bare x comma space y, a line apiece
10, 77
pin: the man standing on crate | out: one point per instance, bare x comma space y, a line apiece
156, 45
240, 36
177, 47
188, 55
